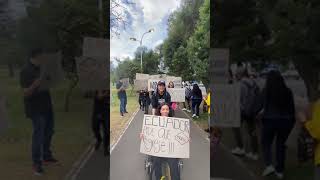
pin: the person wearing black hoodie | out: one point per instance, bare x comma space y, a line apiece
160, 96
196, 98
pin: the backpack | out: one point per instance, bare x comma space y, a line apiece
251, 105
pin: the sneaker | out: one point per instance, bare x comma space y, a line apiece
279, 175
37, 170
189, 111
184, 109
193, 115
238, 151
252, 156
268, 170
50, 161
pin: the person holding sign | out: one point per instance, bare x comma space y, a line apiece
164, 110
38, 107
100, 117
160, 96
174, 105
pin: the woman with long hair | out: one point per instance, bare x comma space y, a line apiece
196, 99
278, 119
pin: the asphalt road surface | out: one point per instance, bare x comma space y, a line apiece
128, 163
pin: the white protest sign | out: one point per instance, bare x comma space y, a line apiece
93, 73
51, 70
177, 81
177, 94
220, 65
96, 47
165, 137
152, 84
125, 82
140, 84
225, 99
141, 76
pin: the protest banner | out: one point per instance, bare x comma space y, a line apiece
177, 81
51, 70
220, 65
225, 100
165, 137
125, 83
152, 84
96, 47
140, 84
93, 73
177, 94
141, 76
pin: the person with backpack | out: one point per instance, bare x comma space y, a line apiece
196, 99
249, 95
278, 120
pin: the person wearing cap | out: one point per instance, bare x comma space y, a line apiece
160, 96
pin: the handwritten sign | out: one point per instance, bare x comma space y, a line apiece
140, 84
152, 84
177, 94
165, 137
141, 76
219, 70
93, 73
125, 82
96, 47
226, 105
51, 70
177, 81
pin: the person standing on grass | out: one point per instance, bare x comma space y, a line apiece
38, 108
278, 119
122, 95
312, 124
100, 117
196, 98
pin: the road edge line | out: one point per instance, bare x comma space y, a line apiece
122, 133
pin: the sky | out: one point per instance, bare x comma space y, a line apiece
142, 16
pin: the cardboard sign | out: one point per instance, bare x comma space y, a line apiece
141, 76
177, 81
140, 84
165, 137
177, 94
152, 84
51, 70
93, 73
125, 83
96, 47
219, 70
225, 101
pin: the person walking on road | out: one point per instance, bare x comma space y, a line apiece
187, 102
100, 117
174, 105
122, 95
38, 107
164, 110
160, 96
196, 98
278, 119
249, 97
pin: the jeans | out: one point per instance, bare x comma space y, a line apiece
252, 132
97, 121
186, 104
123, 104
281, 133
195, 106
42, 125
173, 164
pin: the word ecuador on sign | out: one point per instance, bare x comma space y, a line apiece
165, 137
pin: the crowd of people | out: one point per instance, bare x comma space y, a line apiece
270, 115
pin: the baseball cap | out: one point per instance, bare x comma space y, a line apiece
161, 82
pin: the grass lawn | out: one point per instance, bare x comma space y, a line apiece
72, 133
118, 123
202, 121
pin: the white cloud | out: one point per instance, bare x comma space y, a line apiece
145, 14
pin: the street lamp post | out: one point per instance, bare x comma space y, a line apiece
140, 42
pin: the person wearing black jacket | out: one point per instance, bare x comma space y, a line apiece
144, 100
100, 117
278, 119
160, 96
196, 98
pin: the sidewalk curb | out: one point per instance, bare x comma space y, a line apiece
122, 133
79, 164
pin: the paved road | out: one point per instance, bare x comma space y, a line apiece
96, 168
128, 163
